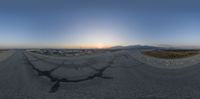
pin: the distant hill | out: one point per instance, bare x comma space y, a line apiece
135, 47
117, 47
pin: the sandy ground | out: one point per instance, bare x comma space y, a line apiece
165, 63
5, 54
123, 78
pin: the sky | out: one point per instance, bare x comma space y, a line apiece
98, 23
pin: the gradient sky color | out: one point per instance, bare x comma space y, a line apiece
98, 23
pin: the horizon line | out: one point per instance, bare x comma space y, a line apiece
164, 46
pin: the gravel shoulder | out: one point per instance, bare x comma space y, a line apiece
5, 54
165, 63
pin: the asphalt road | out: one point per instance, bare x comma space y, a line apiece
130, 81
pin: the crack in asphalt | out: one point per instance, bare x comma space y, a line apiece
63, 63
55, 87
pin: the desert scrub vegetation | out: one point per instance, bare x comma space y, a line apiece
171, 54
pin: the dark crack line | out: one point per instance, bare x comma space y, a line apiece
60, 65
98, 74
54, 88
46, 60
53, 69
41, 73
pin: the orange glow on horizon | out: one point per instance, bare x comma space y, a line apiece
95, 46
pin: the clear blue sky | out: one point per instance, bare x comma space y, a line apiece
98, 23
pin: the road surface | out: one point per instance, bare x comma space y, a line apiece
135, 81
